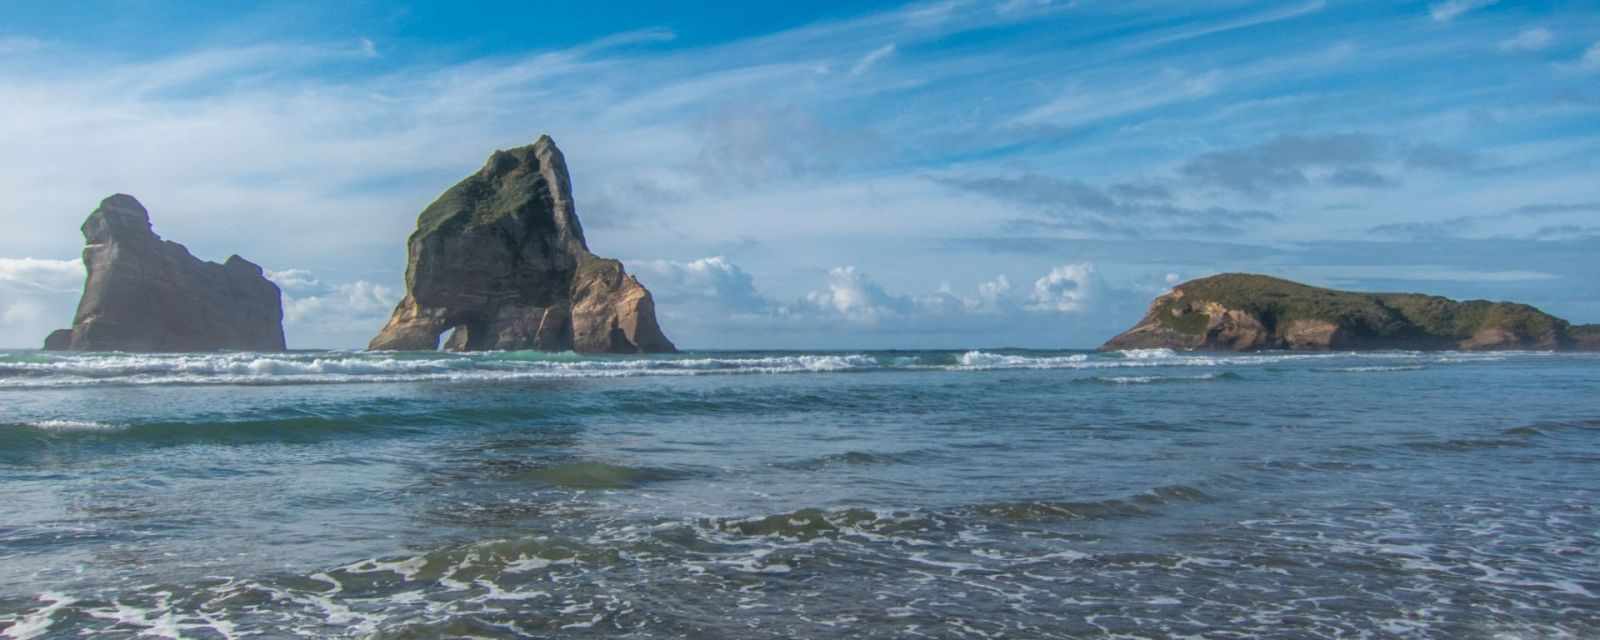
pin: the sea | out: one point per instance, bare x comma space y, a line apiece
988, 493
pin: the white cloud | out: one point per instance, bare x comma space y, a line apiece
1451, 9
1173, 278
1591, 58
1266, 17
1016, 6
1070, 288
37, 296
714, 281
55, 276
853, 296
705, 288
316, 314
1084, 104
993, 295
872, 58
1533, 39
369, 48
294, 280
341, 305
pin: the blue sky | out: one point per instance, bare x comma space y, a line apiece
946, 174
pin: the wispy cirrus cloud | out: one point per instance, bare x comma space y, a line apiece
1470, 225
1081, 104
872, 58
1255, 19
1291, 161
1120, 209
1532, 39
1591, 58
1452, 9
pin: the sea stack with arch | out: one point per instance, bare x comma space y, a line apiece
500, 262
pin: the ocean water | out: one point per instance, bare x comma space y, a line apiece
981, 494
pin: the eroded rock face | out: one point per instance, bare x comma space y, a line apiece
1585, 337
58, 340
148, 294
500, 262
1246, 312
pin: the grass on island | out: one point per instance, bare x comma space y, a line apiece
1387, 315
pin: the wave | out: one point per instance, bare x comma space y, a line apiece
280, 369
812, 523
985, 360
25, 370
1374, 369
857, 458
16, 439
1224, 376
590, 474
1138, 505
71, 425
1462, 445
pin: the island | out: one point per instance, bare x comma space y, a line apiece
151, 295
500, 261
1250, 312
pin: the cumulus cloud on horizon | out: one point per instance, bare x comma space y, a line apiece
708, 297
318, 314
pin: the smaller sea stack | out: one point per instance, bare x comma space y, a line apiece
151, 295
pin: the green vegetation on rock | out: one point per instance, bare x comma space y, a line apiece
1238, 311
1278, 302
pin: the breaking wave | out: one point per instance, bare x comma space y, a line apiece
46, 370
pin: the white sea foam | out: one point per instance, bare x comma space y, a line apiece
35, 624
244, 368
1158, 379
73, 425
1146, 354
72, 370
984, 360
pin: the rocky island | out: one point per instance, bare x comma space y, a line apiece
148, 294
500, 261
1246, 312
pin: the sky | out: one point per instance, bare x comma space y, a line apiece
842, 175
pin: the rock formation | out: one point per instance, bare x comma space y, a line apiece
1585, 337
500, 261
58, 340
1244, 312
148, 294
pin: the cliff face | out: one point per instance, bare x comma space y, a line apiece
500, 261
1585, 337
148, 294
1243, 312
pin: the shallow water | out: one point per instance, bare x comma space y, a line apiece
1017, 494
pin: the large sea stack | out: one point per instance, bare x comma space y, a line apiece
1245, 312
148, 294
500, 261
